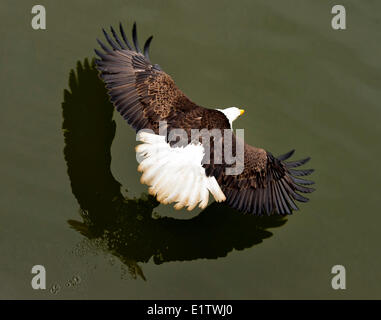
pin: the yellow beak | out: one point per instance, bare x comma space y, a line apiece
241, 112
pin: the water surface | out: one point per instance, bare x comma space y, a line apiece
303, 85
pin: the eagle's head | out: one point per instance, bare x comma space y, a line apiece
232, 113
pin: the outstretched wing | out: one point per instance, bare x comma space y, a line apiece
140, 90
266, 185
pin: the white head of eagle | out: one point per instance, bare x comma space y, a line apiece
232, 114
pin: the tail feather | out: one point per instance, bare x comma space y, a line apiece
215, 189
175, 174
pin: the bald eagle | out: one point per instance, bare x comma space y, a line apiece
146, 96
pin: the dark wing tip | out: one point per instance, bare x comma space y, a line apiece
125, 39
299, 173
110, 41
135, 38
304, 189
121, 44
301, 181
146, 47
103, 46
297, 163
286, 155
99, 54
300, 198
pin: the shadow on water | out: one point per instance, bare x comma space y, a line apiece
126, 225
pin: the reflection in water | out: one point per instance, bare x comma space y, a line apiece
125, 225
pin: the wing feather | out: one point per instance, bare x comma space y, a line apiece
267, 184
140, 91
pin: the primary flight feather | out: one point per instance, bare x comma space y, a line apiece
146, 97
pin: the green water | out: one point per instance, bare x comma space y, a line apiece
303, 85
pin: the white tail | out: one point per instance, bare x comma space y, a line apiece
175, 174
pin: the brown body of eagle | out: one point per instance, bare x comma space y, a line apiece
145, 95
